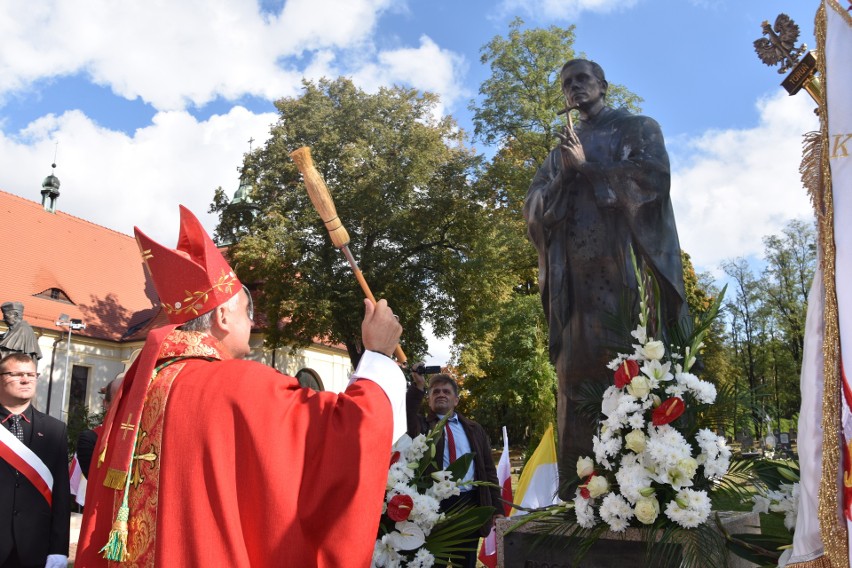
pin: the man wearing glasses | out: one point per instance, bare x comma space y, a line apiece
34, 491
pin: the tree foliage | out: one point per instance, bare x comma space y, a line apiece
767, 316
512, 383
401, 179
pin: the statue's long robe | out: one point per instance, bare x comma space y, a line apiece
583, 226
20, 337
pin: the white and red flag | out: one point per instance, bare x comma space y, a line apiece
488, 550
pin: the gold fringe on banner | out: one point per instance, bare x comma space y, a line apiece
832, 529
821, 562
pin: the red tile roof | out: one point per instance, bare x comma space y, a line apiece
100, 270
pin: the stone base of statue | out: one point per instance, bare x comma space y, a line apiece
526, 548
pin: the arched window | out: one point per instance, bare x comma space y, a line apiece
55, 294
310, 379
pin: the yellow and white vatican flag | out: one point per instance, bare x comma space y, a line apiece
539, 482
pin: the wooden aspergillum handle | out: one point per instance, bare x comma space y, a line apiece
320, 197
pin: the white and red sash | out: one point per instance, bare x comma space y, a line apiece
23, 459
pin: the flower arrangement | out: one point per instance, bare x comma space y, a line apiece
652, 464
655, 460
413, 531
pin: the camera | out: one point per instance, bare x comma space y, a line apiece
422, 369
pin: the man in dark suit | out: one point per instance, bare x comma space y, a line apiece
35, 496
461, 435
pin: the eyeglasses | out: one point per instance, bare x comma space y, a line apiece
19, 375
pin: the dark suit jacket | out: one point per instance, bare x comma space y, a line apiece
483, 462
26, 521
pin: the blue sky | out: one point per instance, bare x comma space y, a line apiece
152, 104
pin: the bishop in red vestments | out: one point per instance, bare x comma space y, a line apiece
210, 460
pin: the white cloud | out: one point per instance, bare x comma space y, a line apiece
737, 186
544, 10
172, 54
427, 67
119, 181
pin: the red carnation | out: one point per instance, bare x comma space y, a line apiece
625, 373
399, 507
667, 412
395, 457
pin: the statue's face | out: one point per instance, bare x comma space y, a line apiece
11, 317
580, 86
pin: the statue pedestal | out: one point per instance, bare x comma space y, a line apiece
525, 548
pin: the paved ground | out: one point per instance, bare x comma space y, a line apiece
75, 535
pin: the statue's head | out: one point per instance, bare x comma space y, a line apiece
583, 83
12, 312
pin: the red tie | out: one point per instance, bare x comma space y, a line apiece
451, 443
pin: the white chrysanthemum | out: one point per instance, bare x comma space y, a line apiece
584, 511
631, 479
715, 454
657, 371
637, 420
689, 509
703, 391
425, 511
618, 417
606, 445
665, 449
616, 512
676, 390
398, 474
666, 445
423, 559
616, 363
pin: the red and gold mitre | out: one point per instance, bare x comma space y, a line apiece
192, 279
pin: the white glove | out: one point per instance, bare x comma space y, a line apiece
56, 561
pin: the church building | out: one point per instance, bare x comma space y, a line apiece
90, 302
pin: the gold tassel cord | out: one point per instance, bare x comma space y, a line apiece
116, 546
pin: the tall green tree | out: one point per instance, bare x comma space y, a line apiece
402, 182
790, 263
514, 384
748, 325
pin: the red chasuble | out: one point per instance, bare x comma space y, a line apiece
237, 465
